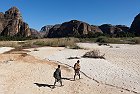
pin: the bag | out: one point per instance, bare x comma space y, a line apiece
54, 74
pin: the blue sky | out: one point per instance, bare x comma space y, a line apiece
38, 13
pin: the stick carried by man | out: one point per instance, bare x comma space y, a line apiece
77, 69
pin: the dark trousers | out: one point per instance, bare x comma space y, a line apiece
58, 80
77, 72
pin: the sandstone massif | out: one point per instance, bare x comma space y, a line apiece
135, 26
45, 30
35, 34
72, 28
79, 28
12, 24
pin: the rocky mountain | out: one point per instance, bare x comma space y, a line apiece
35, 34
95, 28
113, 29
45, 30
123, 27
79, 28
54, 31
135, 26
72, 28
12, 24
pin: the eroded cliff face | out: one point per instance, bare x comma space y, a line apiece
79, 28
135, 26
72, 28
113, 29
12, 24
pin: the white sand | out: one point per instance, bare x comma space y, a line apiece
120, 69
20, 75
5, 49
119, 73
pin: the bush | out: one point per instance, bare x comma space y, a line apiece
102, 39
93, 54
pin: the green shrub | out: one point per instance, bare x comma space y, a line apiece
102, 39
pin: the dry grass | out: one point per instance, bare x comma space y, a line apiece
9, 44
53, 42
57, 42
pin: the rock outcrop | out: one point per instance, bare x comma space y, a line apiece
124, 28
54, 31
11, 24
95, 29
35, 34
135, 26
113, 29
45, 30
72, 28
76, 28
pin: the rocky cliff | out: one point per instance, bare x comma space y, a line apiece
11, 24
36, 34
72, 28
45, 30
79, 28
135, 26
113, 29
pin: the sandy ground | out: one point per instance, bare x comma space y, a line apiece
31, 72
5, 49
120, 69
25, 74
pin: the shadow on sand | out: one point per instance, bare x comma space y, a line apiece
51, 86
43, 85
70, 79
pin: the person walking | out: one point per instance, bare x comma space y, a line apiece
77, 69
57, 76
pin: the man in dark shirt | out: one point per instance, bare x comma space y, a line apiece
57, 76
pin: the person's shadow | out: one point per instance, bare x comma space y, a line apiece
52, 86
70, 79
43, 85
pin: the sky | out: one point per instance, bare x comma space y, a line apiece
38, 13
